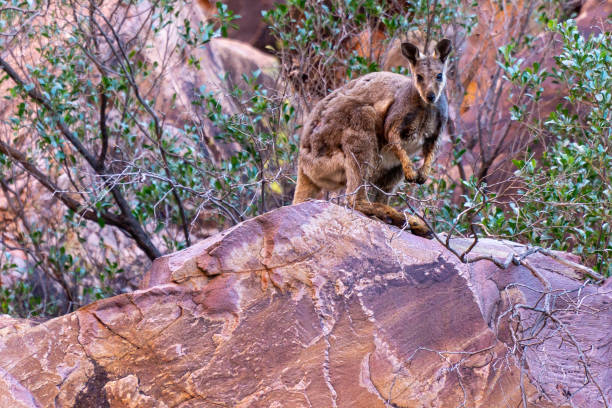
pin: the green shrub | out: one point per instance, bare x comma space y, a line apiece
86, 128
563, 196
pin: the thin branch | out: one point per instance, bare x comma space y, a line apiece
39, 98
103, 130
429, 22
585, 270
128, 222
63, 196
127, 68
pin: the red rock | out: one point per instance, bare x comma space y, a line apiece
316, 305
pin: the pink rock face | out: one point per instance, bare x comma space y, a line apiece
318, 306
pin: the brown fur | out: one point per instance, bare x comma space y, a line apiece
365, 132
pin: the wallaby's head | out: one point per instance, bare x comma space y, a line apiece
428, 71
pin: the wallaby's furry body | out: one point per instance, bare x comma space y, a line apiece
366, 132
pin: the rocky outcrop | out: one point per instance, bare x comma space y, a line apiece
318, 306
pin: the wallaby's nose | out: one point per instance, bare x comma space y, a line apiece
431, 97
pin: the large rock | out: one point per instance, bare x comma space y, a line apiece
318, 306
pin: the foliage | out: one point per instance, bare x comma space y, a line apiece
87, 127
566, 196
256, 175
560, 194
322, 44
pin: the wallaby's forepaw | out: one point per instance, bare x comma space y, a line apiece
421, 178
410, 175
418, 178
418, 227
412, 179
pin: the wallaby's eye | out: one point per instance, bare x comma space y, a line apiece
420, 78
439, 77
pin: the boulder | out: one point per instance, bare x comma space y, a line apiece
316, 305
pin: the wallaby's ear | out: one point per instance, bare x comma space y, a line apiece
443, 48
411, 52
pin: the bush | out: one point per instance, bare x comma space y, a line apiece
83, 123
566, 200
560, 195
322, 44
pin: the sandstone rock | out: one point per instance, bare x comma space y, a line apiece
318, 306
11, 325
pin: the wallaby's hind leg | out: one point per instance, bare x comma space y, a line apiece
355, 176
418, 227
305, 188
358, 167
387, 184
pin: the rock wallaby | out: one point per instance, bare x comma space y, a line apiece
365, 133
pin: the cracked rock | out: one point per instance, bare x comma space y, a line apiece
316, 305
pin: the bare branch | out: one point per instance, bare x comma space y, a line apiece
103, 131
128, 222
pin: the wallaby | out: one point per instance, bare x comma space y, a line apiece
365, 132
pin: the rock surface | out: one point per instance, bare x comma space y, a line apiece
318, 306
